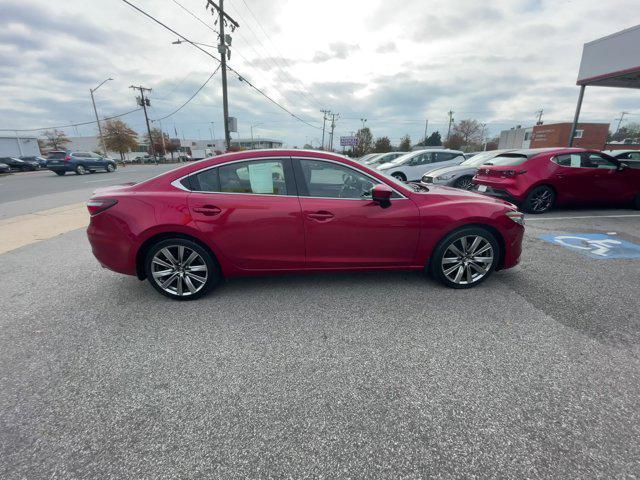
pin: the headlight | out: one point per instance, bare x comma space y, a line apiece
446, 177
516, 216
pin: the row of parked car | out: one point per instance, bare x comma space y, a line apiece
22, 164
535, 179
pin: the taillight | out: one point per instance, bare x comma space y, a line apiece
99, 205
67, 158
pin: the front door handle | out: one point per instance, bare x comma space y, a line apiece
321, 215
560, 175
208, 210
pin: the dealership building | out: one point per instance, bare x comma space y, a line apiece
587, 135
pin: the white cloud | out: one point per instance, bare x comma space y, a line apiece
393, 63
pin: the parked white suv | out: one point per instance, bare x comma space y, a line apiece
412, 166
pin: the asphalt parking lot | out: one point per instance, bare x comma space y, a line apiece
533, 374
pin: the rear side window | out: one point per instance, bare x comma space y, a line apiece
56, 155
507, 160
569, 160
260, 177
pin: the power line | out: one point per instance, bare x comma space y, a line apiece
66, 126
218, 60
190, 98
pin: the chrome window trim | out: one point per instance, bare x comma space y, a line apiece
176, 183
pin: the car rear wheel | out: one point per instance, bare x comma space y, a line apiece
181, 269
465, 258
61, 173
464, 183
539, 200
400, 176
80, 170
110, 168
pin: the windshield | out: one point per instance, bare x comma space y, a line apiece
403, 158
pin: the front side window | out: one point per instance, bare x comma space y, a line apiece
330, 180
258, 176
595, 160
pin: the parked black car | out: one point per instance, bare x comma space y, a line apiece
20, 165
61, 162
41, 160
4, 168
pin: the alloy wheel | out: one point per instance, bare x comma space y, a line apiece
467, 259
179, 270
464, 183
80, 170
541, 201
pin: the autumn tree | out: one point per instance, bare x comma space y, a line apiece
382, 145
405, 144
469, 131
119, 137
454, 142
159, 146
365, 142
55, 139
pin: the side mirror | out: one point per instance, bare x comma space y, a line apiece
381, 194
622, 166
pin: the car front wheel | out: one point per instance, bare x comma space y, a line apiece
464, 183
399, 176
181, 269
110, 168
465, 258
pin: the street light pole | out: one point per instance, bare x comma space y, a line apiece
251, 126
95, 110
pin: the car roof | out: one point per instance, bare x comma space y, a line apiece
532, 152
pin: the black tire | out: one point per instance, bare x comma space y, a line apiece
400, 176
438, 270
636, 202
540, 200
464, 183
213, 275
110, 168
61, 173
81, 170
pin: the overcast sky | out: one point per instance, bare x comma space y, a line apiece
393, 63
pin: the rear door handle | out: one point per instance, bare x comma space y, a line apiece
208, 210
320, 215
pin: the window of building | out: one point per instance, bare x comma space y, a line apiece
578, 134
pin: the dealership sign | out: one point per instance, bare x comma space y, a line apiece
348, 141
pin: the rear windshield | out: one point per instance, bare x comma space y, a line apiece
55, 155
507, 160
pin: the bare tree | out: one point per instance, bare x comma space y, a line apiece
469, 131
55, 139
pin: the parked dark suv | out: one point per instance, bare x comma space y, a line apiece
61, 162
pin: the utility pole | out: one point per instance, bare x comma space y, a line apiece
426, 125
324, 122
144, 103
223, 50
484, 140
622, 114
540, 112
334, 116
95, 110
363, 120
450, 113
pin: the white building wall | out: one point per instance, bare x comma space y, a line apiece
19, 146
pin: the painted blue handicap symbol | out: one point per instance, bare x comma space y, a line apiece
595, 245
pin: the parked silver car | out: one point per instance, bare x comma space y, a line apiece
383, 158
413, 165
460, 176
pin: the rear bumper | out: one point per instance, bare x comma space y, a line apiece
497, 193
62, 168
110, 244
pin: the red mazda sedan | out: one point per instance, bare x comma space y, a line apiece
268, 211
540, 178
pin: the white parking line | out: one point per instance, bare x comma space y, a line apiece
528, 219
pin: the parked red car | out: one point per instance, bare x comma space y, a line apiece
256, 212
538, 179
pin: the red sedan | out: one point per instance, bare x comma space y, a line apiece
259, 212
540, 178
